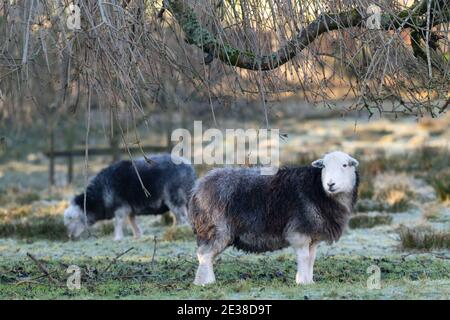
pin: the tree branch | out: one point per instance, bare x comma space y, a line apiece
199, 36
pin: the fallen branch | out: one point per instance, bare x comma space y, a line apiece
42, 268
117, 258
32, 280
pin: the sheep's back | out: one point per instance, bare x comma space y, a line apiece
236, 198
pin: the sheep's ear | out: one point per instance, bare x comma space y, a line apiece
353, 162
318, 163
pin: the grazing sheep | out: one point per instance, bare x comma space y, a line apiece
297, 207
116, 192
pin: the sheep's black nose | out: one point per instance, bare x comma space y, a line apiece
331, 184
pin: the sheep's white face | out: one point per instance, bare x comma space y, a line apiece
74, 220
338, 172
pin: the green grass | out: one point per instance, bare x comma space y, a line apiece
244, 277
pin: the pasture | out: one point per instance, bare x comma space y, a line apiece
402, 227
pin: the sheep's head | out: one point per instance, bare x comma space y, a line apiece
338, 172
74, 220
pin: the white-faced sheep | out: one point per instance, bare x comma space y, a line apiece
297, 207
117, 192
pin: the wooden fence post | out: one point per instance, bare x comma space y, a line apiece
70, 169
51, 156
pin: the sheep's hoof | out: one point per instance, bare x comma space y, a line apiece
302, 283
137, 236
203, 283
118, 239
204, 279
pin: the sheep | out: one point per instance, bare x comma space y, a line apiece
298, 207
117, 192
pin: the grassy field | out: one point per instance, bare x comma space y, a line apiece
167, 270
402, 227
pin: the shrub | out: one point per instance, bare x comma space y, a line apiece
441, 184
27, 198
33, 222
178, 233
424, 238
50, 227
396, 197
369, 221
366, 189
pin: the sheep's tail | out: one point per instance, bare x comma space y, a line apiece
200, 221
192, 210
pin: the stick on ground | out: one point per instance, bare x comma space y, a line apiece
42, 268
154, 251
117, 258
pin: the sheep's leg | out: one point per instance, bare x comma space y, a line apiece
120, 215
303, 272
206, 254
137, 232
180, 213
205, 273
175, 200
312, 257
301, 244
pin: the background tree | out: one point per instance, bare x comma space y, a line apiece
217, 51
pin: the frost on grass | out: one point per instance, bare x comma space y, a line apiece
369, 220
171, 277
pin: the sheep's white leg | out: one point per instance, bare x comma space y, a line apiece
120, 215
303, 260
301, 244
205, 273
312, 257
175, 200
137, 232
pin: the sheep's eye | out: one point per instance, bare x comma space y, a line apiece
344, 165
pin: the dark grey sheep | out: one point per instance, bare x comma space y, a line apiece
297, 207
116, 192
